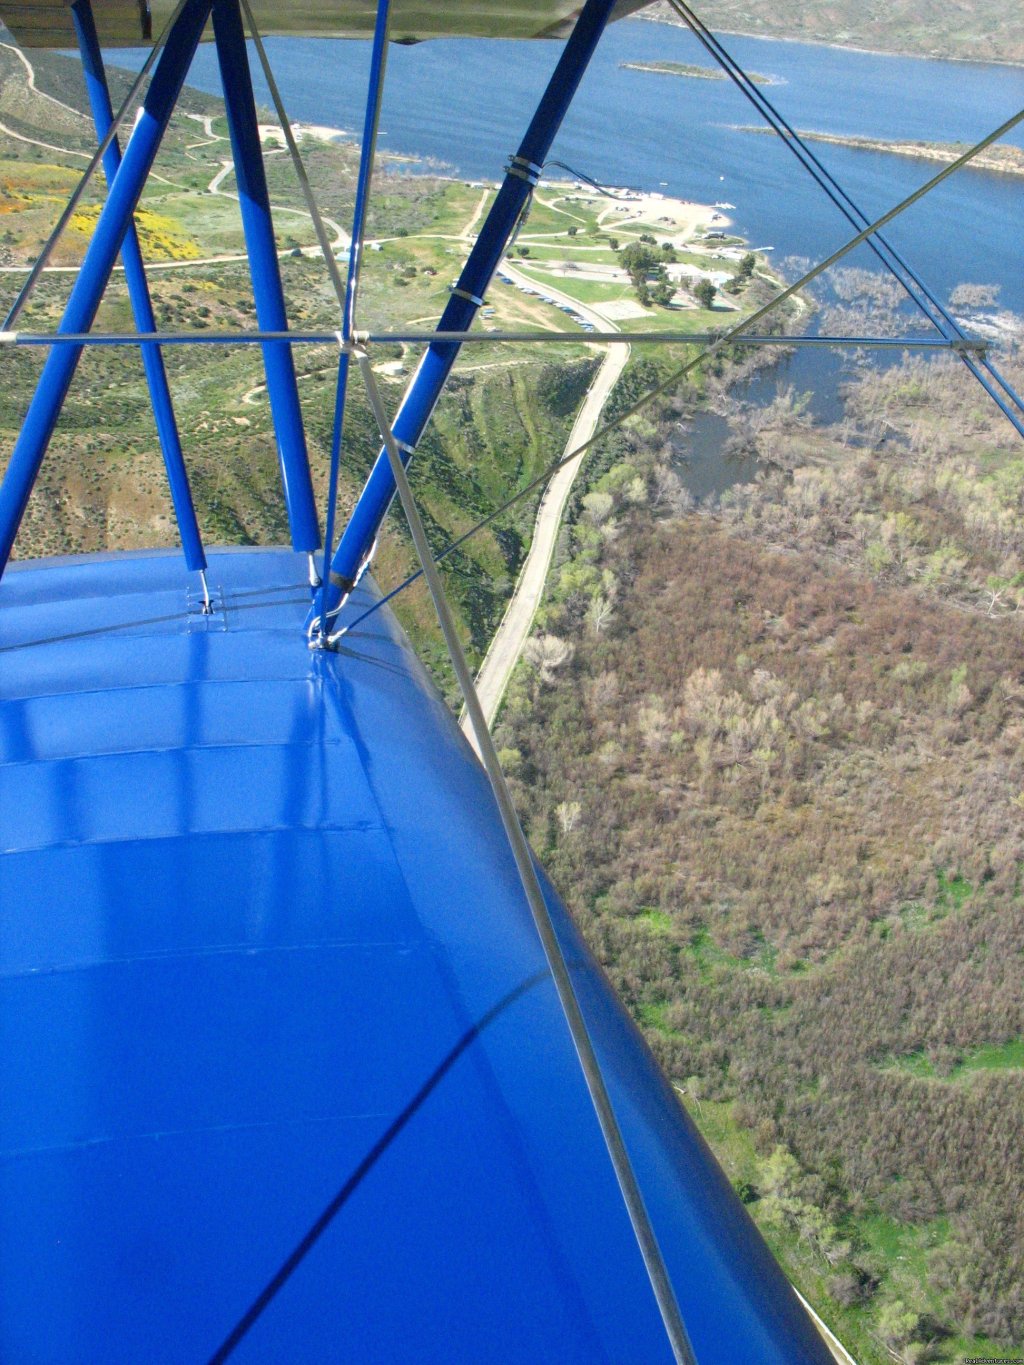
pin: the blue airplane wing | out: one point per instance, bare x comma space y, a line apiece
282, 1057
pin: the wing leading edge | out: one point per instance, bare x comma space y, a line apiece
133, 23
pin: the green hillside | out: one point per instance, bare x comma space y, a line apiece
971, 30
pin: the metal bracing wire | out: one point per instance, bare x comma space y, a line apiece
466, 295
296, 156
930, 306
732, 336
76, 194
713, 341
104, 247
781, 339
374, 99
368, 152
794, 143
580, 175
453, 545
647, 1240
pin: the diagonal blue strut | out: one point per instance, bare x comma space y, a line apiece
282, 388
460, 312
115, 216
138, 290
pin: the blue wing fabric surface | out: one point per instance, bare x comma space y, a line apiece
275, 1021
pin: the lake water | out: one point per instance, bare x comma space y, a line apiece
466, 102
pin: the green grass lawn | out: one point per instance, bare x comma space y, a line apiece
568, 249
1007, 1056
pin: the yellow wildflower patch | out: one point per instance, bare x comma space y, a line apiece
161, 238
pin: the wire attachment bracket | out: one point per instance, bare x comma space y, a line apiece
524, 169
207, 607
968, 346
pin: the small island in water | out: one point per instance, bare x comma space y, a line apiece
1006, 159
697, 73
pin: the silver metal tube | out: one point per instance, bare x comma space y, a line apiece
253, 338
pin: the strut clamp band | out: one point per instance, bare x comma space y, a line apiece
525, 165
528, 176
465, 294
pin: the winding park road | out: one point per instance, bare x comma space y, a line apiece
340, 241
507, 644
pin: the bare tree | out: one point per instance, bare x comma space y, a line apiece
974, 296
547, 653
567, 813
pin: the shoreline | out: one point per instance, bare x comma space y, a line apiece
309, 132
1007, 159
627, 196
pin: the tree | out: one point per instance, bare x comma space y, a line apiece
638, 261
597, 507
546, 653
568, 812
599, 613
747, 265
974, 296
663, 291
897, 1326
705, 293
647, 272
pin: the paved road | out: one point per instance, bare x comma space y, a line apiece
508, 641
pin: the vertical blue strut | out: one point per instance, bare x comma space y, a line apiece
138, 290
374, 94
113, 222
429, 379
282, 388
